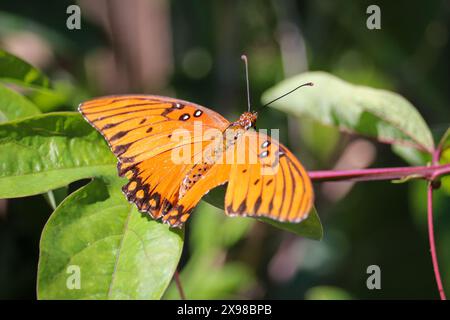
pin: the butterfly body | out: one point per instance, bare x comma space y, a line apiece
146, 133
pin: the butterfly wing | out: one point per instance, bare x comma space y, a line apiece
154, 183
139, 127
270, 182
139, 130
206, 176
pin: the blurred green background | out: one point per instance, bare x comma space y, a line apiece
191, 50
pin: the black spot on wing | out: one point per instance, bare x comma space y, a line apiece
117, 114
265, 144
175, 106
124, 107
121, 149
303, 198
166, 206
258, 204
264, 154
293, 188
109, 126
127, 159
184, 117
156, 197
242, 207
122, 170
283, 194
118, 135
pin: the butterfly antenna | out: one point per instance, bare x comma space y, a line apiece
244, 58
284, 95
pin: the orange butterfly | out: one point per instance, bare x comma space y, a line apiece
264, 177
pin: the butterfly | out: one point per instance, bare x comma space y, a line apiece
264, 178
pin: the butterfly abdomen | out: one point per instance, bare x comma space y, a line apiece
213, 154
194, 175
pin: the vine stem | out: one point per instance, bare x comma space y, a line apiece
179, 286
434, 259
429, 173
422, 172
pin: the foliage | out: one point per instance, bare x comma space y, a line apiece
13, 69
380, 114
96, 229
15, 106
374, 223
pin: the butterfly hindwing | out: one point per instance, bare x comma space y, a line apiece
203, 176
271, 182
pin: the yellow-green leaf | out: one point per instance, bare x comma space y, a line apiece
49, 151
383, 115
96, 245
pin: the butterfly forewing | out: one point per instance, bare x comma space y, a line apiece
146, 133
142, 126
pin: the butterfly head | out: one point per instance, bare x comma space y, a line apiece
248, 120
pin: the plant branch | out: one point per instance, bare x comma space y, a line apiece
437, 274
179, 286
429, 173
422, 172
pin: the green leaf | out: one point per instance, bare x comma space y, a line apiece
119, 252
202, 278
14, 106
321, 140
211, 234
444, 147
211, 229
311, 227
327, 293
444, 158
380, 114
14, 69
411, 155
47, 100
446, 185
36, 84
216, 196
49, 151
63, 95
55, 197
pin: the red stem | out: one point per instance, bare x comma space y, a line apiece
179, 286
429, 173
424, 172
437, 274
